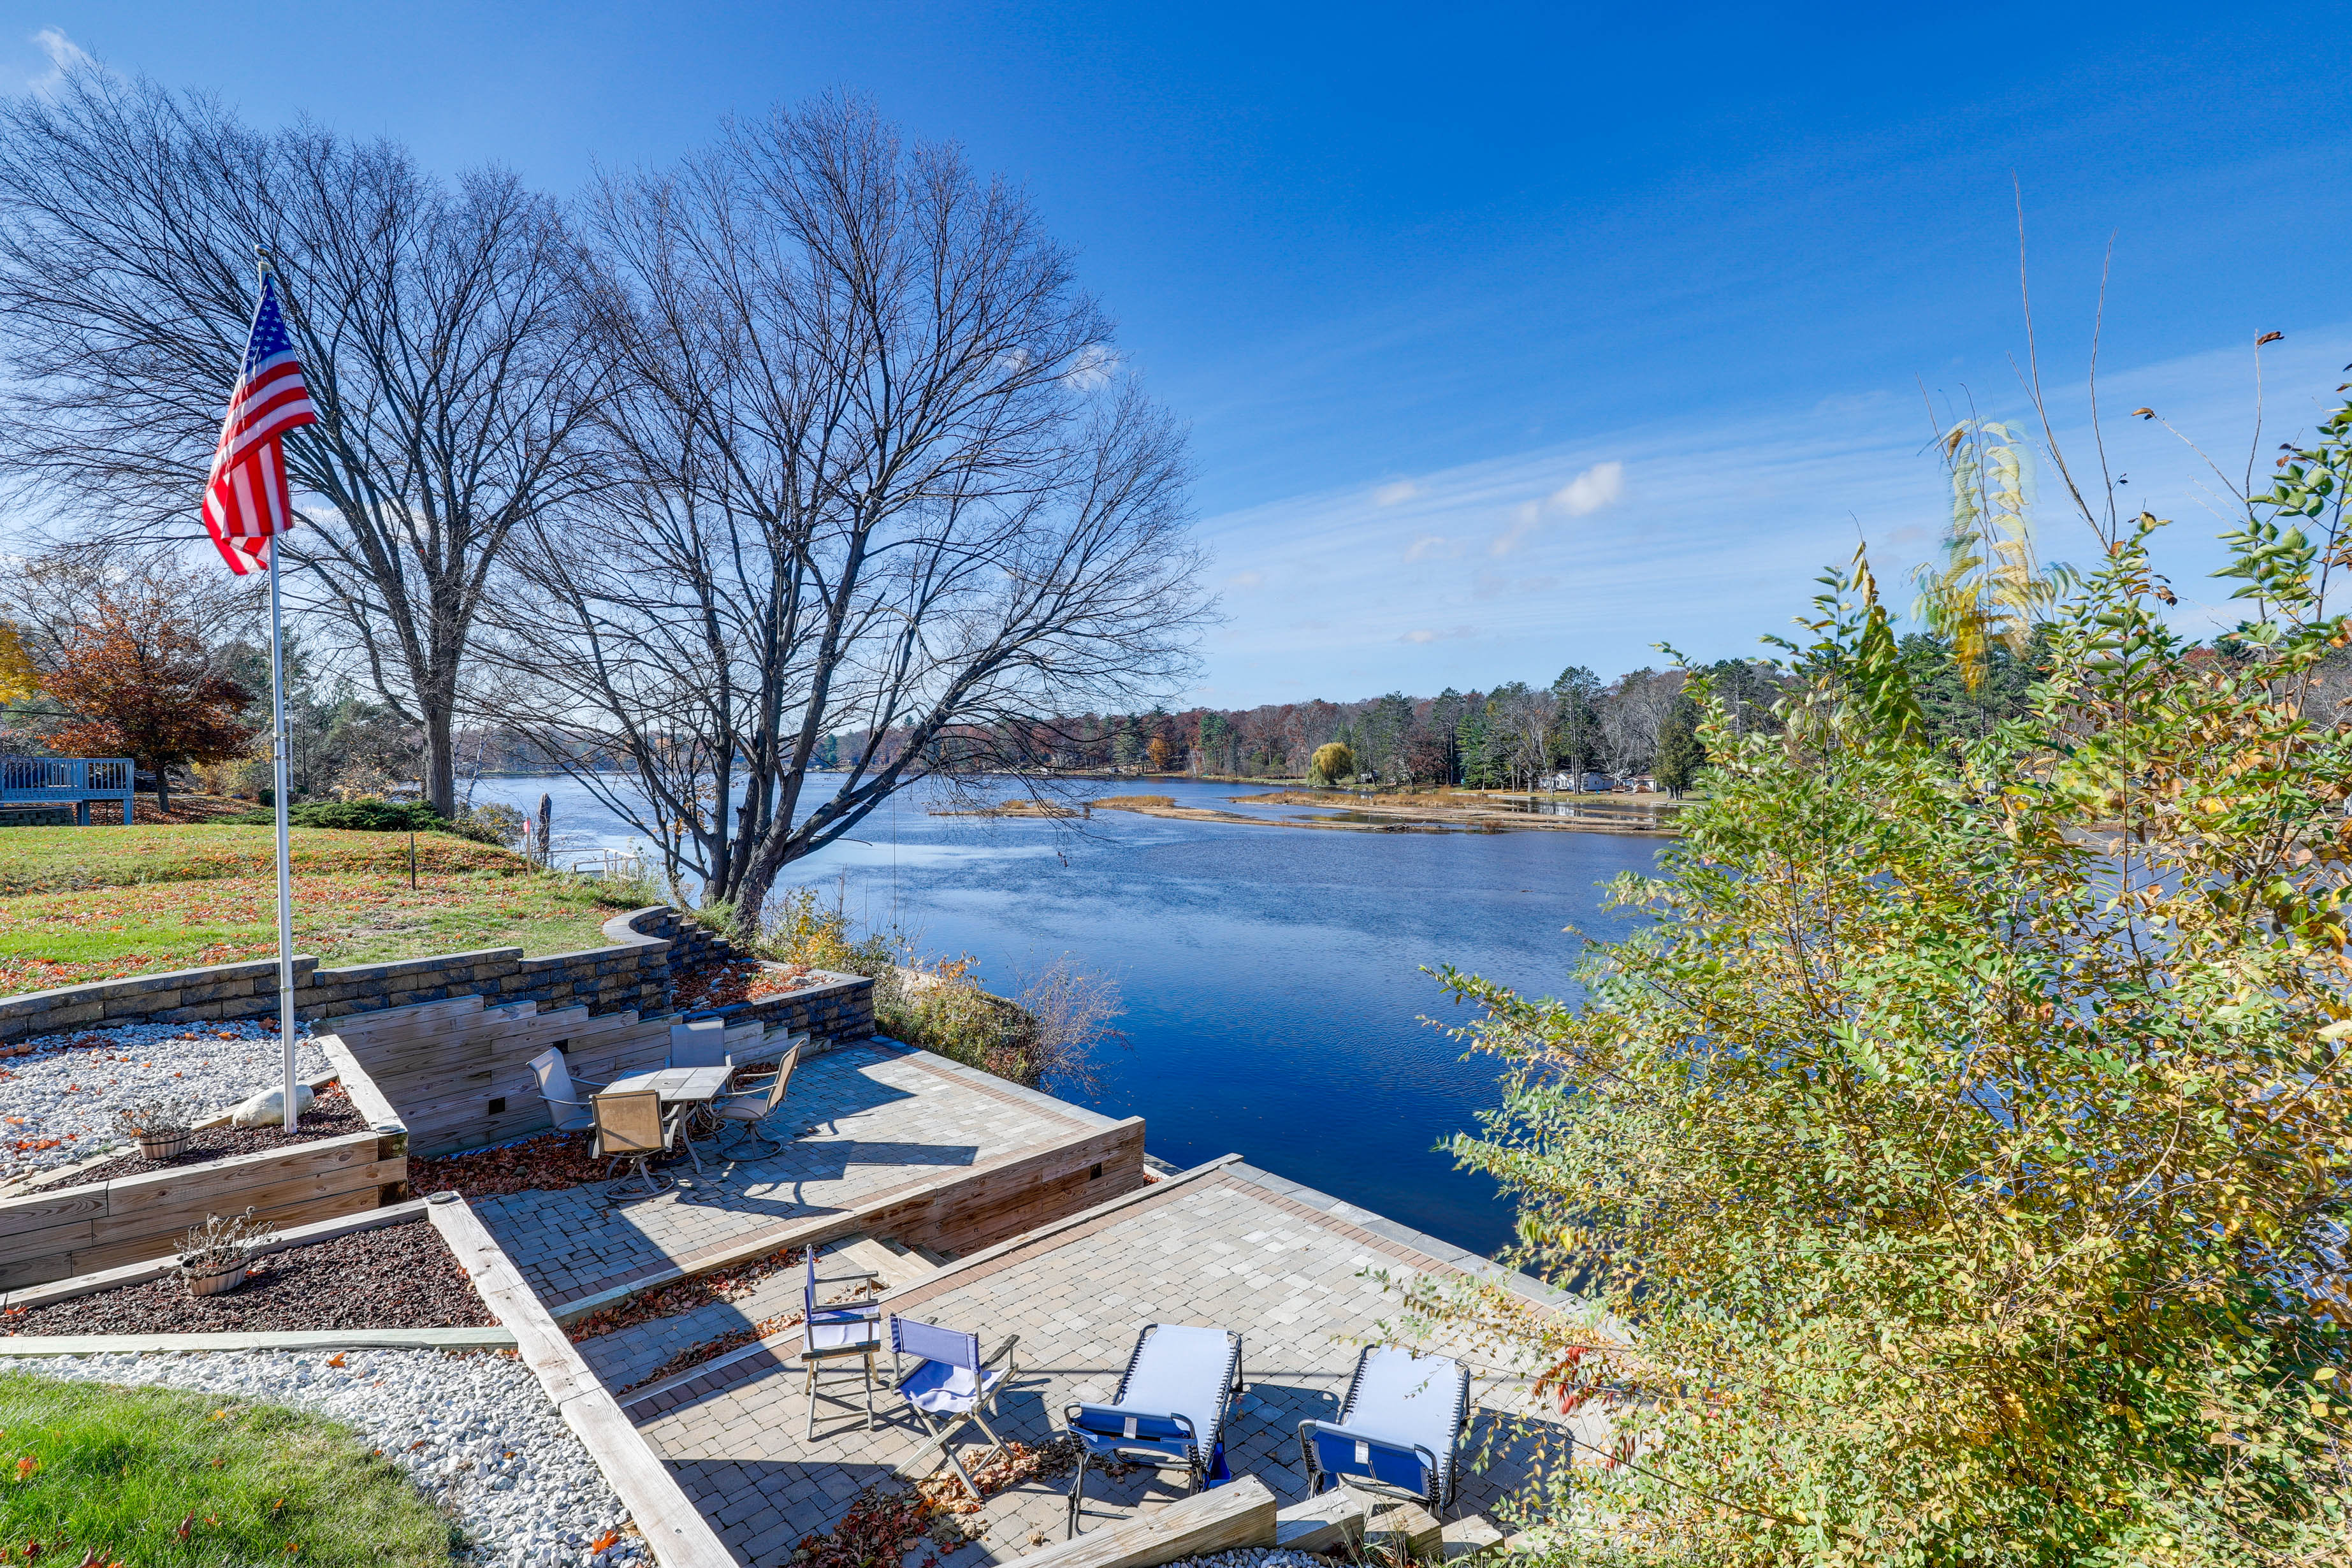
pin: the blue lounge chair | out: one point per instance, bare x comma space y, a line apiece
834, 1333
1169, 1412
951, 1380
1399, 1428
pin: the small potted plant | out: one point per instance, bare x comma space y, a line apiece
162, 1126
213, 1256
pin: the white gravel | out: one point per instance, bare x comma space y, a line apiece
57, 1104
475, 1432
1256, 1557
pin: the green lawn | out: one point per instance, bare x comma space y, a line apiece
155, 1477
90, 903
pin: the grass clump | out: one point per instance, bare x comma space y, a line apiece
154, 1478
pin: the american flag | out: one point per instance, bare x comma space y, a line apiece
244, 500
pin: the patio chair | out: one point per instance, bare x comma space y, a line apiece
834, 1333
1169, 1412
1399, 1432
950, 1381
561, 1092
701, 1043
631, 1126
748, 1109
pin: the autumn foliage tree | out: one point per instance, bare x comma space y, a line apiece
134, 679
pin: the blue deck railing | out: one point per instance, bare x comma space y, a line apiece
66, 781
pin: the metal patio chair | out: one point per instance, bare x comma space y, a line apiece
701, 1043
631, 1126
834, 1333
1169, 1412
561, 1092
748, 1110
1399, 1432
951, 1380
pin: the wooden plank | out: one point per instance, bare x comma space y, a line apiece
1239, 1513
126, 1194
671, 1522
19, 1216
365, 1174
1328, 1523
365, 1097
133, 1247
54, 1241
1408, 1523
1471, 1535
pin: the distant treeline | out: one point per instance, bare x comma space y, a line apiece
1508, 736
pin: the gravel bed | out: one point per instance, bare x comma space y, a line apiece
475, 1432
57, 1100
395, 1277
1256, 1557
332, 1115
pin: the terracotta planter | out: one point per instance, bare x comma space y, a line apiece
213, 1279
169, 1146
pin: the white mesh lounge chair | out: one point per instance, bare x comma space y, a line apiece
748, 1110
952, 1382
561, 1092
1400, 1429
832, 1333
1169, 1412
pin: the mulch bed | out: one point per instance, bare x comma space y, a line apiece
547, 1163
332, 1115
738, 980
398, 1277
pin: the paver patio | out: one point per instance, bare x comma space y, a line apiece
866, 1120
1226, 1245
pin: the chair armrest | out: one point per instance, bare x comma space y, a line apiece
1002, 1352
844, 1279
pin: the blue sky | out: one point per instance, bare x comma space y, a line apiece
1510, 337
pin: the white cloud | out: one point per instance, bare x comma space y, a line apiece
1397, 493
1247, 580
1448, 635
1524, 520
64, 54
1091, 369
1432, 547
1590, 490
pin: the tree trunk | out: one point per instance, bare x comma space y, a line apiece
440, 779
162, 789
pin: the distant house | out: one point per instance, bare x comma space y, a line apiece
1587, 783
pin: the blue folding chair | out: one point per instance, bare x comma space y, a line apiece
951, 1380
1399, 1428
832, 1333
1169, 1412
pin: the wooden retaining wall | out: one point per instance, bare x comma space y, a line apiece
457, 1072
60, 1232
1000, 1202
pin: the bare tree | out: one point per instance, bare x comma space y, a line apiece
873, 477
1631, 709
430, 319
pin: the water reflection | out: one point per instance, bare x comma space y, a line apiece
1272, 976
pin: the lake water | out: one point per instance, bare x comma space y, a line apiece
1272, 976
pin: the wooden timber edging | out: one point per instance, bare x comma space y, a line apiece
59, 1232
1238, 1514
667, 1519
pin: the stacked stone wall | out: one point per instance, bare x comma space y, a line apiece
650, 948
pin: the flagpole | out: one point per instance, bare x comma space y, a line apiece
277, 748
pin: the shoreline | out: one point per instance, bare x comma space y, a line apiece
1361, 818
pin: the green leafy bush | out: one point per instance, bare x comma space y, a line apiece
1964, 1140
